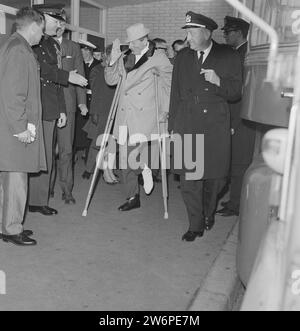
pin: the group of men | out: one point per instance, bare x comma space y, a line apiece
40, 83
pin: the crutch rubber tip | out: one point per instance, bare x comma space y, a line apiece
166, 216
84, 213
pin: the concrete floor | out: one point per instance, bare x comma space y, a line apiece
109, 260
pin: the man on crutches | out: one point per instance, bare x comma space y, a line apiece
135, 127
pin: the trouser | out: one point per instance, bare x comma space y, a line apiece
132, 161
13, 196
65, 138
39, 184
200, 198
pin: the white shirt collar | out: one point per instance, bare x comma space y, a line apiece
206, 52
59, 39
89, 62
144, 51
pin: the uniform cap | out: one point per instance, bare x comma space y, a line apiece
194, 20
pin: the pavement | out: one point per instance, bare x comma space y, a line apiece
115, 261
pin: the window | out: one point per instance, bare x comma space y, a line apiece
16, 3
90, 17
281, 15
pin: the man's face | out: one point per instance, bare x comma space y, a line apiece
137, 46
198, 38
231, 37
37, 31
60, 31
86, 54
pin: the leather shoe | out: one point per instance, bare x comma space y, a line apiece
226, 212
27, 233
192, 235
45, 210
19, 239
132, 203
209, 223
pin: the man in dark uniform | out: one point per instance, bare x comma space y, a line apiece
243, 132
53, 78
206, 76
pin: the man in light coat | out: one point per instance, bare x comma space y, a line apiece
137, 119
21, 133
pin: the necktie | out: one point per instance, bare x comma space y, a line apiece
59, 55
200, 60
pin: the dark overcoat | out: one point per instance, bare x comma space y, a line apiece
52, 78
20, 104
199, 107
244, 131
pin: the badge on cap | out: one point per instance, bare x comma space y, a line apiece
188, 19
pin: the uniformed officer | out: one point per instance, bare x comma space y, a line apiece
206, 76
243, 131
53, 104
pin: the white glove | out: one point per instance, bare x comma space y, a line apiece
32, 129
115, 52
211, 76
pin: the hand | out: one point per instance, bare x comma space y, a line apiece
211, 76
95, 118
32, 129
62, 121
77, 79
83, 109
25, 137
115, 52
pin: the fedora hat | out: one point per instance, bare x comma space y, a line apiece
136, 31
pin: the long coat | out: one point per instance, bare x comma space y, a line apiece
20, 104
199, 107
72, 60
243, 138
52, 78
137, 108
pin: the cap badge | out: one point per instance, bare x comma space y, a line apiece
188, 19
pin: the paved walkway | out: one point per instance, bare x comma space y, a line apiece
109, 260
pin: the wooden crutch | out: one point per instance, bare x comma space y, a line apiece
105, 137
162, 150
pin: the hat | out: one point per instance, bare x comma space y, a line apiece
54, 10
136, 31
86, 44
193, 20
234, 23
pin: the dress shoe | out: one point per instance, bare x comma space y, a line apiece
19, 239
45, 210
147, 179
226, 212
209, 223
192, 235
132, 203
27, 233
86, 175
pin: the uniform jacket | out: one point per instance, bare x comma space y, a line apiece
72, 60
137, 107
52, 79
20, 104
243, 138
87, 70
199, 107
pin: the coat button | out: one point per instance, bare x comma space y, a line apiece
122, 109
205, 111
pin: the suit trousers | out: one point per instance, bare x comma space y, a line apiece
39, 184
132, 161
200, 198
13, 197
65, 138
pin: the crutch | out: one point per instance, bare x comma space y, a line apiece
105, 137
162, 150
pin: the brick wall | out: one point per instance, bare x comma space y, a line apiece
164, 18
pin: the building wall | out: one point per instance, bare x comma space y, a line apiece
164, 18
